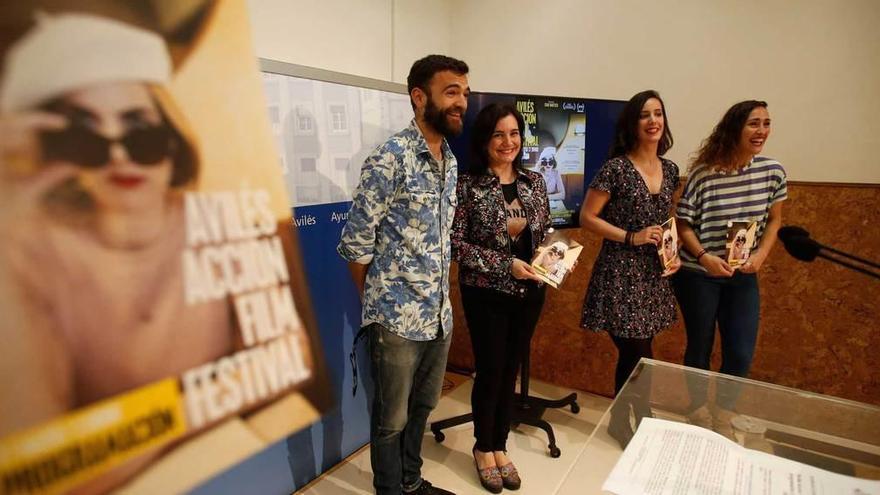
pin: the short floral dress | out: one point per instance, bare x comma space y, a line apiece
627, 297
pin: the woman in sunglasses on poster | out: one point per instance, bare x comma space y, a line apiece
555, 185
95, 159
740, 251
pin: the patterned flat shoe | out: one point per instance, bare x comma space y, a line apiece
510, 477
490, 478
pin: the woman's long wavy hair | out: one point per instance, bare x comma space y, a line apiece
720, 149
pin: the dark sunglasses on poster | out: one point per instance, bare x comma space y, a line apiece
146, 145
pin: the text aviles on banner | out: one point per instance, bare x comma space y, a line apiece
152, 300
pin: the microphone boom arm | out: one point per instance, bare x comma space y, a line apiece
847, 255
798, 243
849, 265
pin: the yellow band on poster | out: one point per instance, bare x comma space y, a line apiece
64, 452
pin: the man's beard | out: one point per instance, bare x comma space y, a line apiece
436, 118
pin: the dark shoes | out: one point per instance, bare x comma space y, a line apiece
620, 429
426, 488
510, 477
620, 424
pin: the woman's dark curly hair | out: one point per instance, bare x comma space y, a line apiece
720, 148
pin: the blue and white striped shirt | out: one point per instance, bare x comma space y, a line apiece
712, 198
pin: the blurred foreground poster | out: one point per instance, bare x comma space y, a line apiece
155, 326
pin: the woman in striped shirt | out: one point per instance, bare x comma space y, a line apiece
728, 183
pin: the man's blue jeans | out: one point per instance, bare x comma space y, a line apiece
733, 303
407, 380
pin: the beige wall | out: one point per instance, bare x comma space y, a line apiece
421, 27
370, 38
351, 36
817, 62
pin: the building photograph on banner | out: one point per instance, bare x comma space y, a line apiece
156, 324
325, 130
566, 140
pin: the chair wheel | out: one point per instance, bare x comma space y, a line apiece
575, 408
439, 437
555, 452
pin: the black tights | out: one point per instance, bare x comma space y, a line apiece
501, 327
629, 351
637, 398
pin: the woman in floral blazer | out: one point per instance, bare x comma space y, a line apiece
503, 213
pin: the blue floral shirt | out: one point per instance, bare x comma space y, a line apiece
399, 223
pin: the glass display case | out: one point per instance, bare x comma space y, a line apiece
832, 434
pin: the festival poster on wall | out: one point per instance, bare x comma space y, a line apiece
566, 139
554, 145
155, 322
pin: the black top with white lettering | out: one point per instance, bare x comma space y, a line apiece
520, 236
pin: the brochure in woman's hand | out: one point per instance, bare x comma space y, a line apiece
740, 239
555, 257
668, 248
